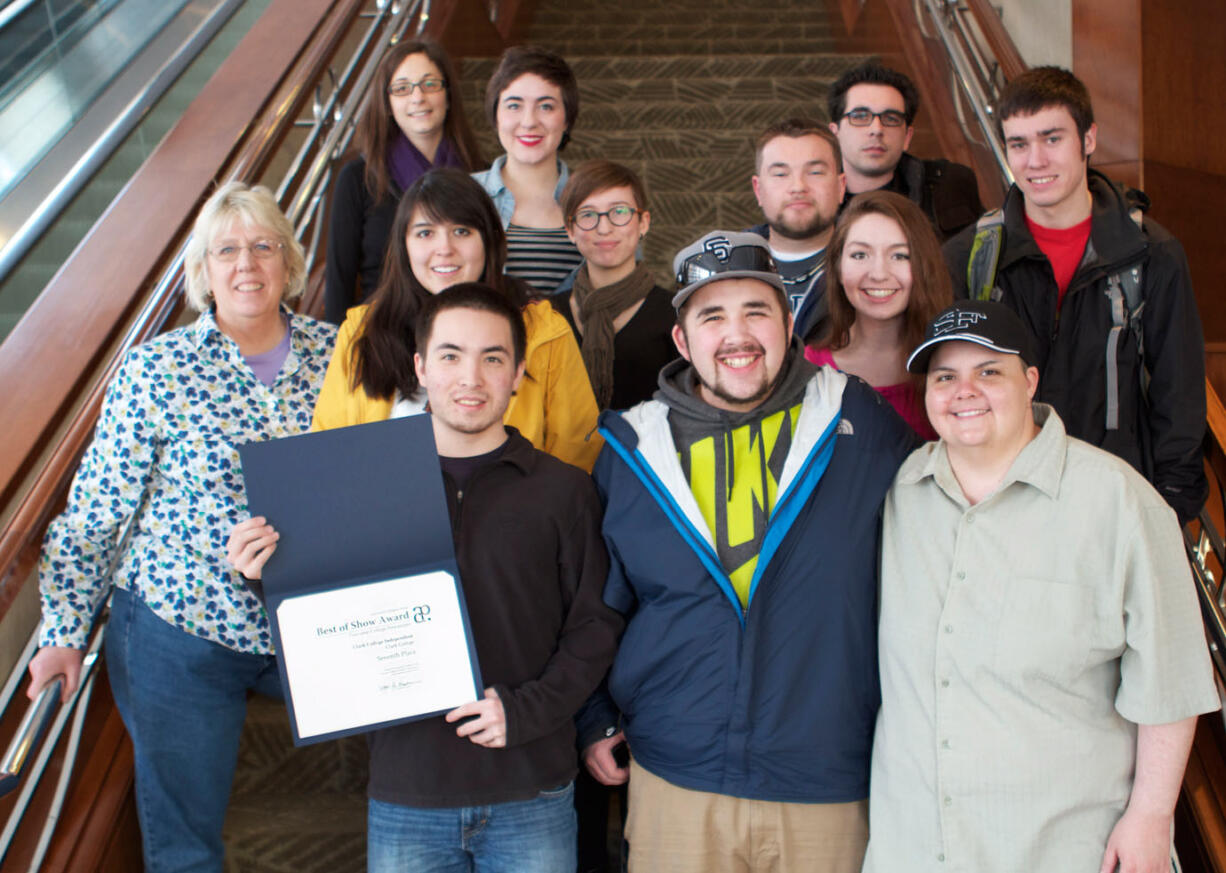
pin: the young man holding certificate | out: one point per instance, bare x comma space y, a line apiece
488, 785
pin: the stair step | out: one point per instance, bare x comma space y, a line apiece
727, 65
594, 91
700, 47
546, 18
614, 32
701, 10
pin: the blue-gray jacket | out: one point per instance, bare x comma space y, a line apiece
776, 701
504, 200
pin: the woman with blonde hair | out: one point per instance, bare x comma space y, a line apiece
187, 640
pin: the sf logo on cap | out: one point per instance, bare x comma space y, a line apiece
956, 321
719, 246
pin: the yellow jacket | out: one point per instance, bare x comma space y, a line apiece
553, 408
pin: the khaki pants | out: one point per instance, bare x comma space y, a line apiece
677, 830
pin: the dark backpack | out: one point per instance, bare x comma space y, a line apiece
1124, 292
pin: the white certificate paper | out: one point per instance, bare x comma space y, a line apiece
377, 652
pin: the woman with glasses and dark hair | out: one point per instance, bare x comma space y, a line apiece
532, 101
413, 120
887, 281
622, 319
448, 232
187, 640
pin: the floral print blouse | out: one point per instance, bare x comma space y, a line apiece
165, 451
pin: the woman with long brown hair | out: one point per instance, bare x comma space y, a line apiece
447, 232
413, 120
887, 281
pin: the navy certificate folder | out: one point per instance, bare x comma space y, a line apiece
352, 505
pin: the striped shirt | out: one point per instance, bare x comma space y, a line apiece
541, 257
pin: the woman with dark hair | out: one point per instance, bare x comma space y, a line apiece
622, 319
447, 233
532, 101
413, 120
887, 262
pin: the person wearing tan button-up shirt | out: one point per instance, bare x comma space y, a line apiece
1041, 650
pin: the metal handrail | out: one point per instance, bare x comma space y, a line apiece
972, 79
45, 213
38, 724
12, 10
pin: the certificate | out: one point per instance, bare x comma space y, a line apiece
378, 653
365, 542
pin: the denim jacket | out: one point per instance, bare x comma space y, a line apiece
504, 200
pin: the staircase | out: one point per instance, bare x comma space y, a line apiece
679, 94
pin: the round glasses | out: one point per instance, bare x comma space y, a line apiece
429, 85
261, 249
862, 117
589, 219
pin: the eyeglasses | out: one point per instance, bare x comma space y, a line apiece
261, 249
718, 259
589, 219
428, 85
861, 117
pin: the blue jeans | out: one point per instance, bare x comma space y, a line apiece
527, 836
183, 700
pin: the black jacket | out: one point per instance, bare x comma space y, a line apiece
948, 193
533, 568
1162, 439
358, 228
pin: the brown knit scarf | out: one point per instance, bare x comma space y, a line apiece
598, 307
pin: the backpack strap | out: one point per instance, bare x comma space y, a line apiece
985, 256
1124, 298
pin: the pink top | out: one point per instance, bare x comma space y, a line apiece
901, 396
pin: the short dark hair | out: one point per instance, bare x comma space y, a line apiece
382, 361
598, 175
931, 286
1041, 88
472, 295
871, 73
376, 127
520, 60
795, 128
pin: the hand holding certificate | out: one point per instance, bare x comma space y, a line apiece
367, 611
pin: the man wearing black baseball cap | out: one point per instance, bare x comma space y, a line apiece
741, 514
1041, 649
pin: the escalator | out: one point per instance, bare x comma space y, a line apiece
89, 89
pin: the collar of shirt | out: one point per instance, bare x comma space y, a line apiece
205, 330
497, 186
1040, 463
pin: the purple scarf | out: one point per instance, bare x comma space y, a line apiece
407, 163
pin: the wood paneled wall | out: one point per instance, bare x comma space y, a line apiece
1155, 71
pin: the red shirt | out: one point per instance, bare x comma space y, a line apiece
1064, 248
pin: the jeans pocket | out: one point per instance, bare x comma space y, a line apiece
559, 792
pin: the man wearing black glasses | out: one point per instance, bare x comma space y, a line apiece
742, 520
872, 110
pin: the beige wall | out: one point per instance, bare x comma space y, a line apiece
1042, 30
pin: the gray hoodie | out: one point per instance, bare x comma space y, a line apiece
733, 460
